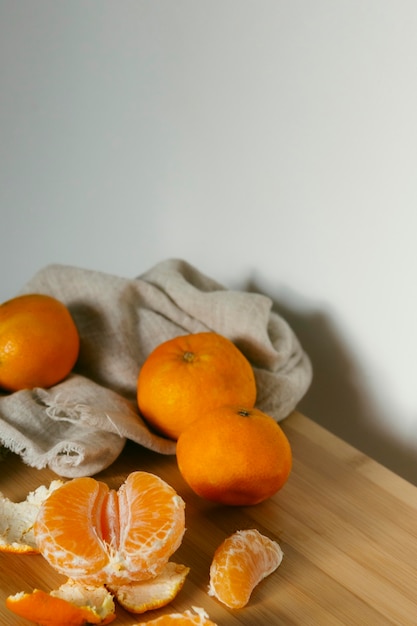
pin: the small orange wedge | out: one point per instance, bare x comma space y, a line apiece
17, 520
188, 618
239, 564
152, 594
72, 604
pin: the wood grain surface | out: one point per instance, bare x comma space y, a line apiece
347, 526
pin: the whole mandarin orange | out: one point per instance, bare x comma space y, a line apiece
187, 376
234, 456
39, 342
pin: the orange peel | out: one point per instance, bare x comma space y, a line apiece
72, 604
139, 597
196, 617
17, 520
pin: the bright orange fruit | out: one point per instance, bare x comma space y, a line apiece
197, 617
70, 605
39, 342
96, 535
187, 376
239, 564
234, 455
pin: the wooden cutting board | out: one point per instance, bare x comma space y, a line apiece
347, 526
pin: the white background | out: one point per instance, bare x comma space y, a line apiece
272, 144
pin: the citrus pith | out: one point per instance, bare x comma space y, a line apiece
70, 605
196, 617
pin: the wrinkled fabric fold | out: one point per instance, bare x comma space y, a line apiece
80, 426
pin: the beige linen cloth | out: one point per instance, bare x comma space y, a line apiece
80, 426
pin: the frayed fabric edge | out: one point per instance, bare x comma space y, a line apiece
40, 461
67, 459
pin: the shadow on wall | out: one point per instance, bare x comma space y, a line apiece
337, 398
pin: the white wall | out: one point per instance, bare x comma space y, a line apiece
272, 144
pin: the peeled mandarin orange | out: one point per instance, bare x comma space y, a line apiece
197, 617
139, 597
18, 518
239, 564
234, 455
97, 535
70, 605
39, 342
187, 376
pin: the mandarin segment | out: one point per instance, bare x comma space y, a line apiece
68, 530
96, 535
39, 342
156, 522
187, 376
234, 456
239, 564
